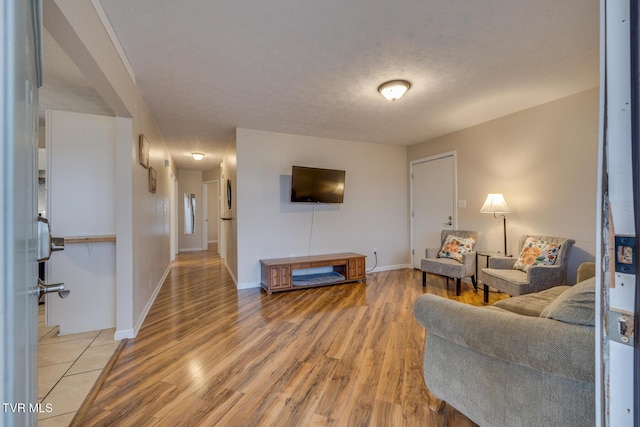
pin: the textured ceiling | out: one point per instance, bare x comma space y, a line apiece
313, 67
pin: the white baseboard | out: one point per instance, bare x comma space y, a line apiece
190, 249
212, 241
125, 333
131, 333
235, 281
248, 285
389, 268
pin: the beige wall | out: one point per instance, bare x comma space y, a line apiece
211, 174
373, 215
544, 160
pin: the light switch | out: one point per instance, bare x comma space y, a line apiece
462, 203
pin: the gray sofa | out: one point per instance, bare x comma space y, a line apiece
524, 361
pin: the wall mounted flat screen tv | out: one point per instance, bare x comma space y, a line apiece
315, 185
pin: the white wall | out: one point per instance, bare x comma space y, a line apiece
229, 229
544, 160
143, 218
213, 211
81, 198
373, 215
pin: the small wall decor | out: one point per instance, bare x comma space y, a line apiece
143, 151
153, 176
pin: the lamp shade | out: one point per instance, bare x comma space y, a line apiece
495, 203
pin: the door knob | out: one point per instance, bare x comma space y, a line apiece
450, 222
43, 289
46, 243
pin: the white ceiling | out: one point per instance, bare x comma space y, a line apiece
312, 67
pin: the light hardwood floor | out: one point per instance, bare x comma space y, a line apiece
208, 354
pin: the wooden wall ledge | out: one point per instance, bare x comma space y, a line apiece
89, 239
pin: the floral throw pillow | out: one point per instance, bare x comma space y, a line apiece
536, 252
454, 247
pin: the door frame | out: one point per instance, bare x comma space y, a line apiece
412, 164
173, 216
617, 378
205, 212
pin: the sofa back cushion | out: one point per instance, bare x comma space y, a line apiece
577, 305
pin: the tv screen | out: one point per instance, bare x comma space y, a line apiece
315, 185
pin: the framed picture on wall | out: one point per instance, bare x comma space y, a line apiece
143, 152
153, 177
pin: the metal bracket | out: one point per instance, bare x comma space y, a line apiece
620, 327
625, 254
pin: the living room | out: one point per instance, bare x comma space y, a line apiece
533, 149
542, 158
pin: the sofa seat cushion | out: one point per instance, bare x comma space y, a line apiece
531, 304
576, 306
444, 267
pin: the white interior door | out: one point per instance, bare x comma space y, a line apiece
433, 195
19, 69
205, 216
173, 194
213, 211
222, 230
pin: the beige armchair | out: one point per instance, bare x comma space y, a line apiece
455, 266
514, 276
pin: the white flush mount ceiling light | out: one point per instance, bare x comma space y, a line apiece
197, 156
394, 89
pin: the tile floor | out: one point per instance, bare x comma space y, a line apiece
68, 366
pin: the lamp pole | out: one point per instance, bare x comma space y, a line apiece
504, 225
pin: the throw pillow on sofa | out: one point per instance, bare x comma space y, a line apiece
454, 247
577, 305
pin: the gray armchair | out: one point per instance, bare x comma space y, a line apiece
447, 267
502, 276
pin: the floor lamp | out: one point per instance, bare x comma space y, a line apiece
496, 204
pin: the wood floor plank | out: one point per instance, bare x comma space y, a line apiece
209, 354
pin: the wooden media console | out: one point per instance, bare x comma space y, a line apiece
277, 274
